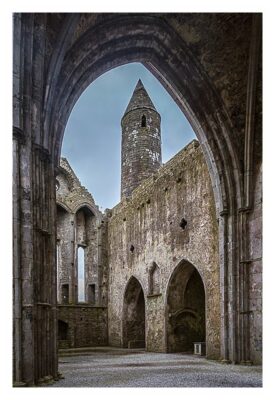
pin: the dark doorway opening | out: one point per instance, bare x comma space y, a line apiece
185, 309
134, 315
62, 330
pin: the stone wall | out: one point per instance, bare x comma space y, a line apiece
86, 326
254, 266
82, 313
146, 229
79, 224
210, 64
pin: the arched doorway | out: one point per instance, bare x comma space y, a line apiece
185, 309
133, 329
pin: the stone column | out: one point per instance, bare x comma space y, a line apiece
26, 266
17, 290
98, 299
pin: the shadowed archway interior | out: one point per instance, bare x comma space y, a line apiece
133, 315
185, 309
62, 330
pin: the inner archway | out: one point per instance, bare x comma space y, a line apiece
158, 47
134, 315
185, 309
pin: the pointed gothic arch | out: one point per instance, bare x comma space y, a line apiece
133, 315
186, 309
168, 57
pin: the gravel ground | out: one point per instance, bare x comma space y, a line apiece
109, 367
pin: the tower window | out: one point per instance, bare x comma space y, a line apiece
143, 121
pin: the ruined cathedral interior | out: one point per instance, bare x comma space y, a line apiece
175, 266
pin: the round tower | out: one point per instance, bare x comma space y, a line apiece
141, 141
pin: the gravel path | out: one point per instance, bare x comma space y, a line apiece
109, 367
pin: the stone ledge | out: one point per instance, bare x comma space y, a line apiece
154, 295
80, 306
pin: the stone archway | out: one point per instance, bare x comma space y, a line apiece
55, 58
133, 318
150, 40
186, 309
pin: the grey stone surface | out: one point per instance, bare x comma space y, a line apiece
79, 224
149, 220
141, 141
211, 65
128, 368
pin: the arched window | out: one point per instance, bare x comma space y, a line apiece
81, 274
154, 279
143, 121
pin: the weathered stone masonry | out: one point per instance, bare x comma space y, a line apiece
80, 224
150, 222
211, 66
162, 248
141, 142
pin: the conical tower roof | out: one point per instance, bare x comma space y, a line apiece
140, 99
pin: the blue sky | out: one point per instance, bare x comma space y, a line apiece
93, 133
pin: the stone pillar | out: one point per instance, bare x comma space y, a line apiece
44, 272
18, 140
17, 289
99, 264
28, 312
223, 250
73, 267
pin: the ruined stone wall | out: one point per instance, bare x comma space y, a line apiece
87, 325
80, 224
64, 254
146, 229
254, 266
56, 56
